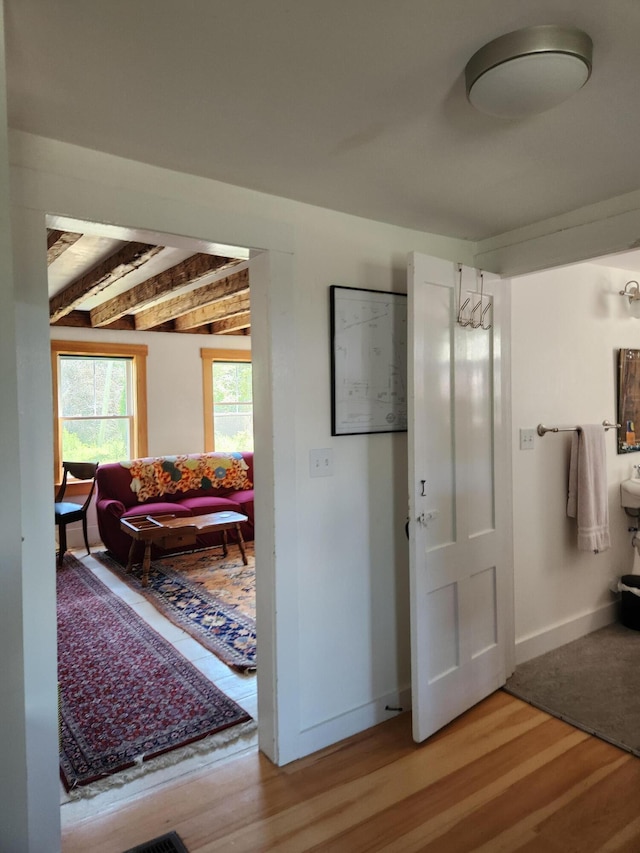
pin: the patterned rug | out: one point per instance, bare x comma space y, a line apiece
209, 596
126, 695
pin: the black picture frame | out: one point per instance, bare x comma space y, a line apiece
369, 392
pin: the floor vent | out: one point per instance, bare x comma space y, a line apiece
169, 843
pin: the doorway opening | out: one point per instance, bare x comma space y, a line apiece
569, 324
171, 295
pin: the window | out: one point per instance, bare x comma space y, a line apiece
99, 402
228, 399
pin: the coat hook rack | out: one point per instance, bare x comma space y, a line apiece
476, 316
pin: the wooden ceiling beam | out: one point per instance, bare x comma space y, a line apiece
232, 285
189, 271
199, 330
230, 325
82, 320
218, 310
58, 242
53, 236
130, 257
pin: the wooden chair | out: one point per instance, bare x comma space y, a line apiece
67, 512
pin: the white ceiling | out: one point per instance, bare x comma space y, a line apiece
355, 105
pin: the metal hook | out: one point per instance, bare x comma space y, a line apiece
462, 307
478, 324
486, 328
460, 318
475, 325
481, 324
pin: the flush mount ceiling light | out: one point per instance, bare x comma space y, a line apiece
528, 71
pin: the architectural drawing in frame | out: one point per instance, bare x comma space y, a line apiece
368, 361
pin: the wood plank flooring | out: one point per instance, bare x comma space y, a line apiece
503, 777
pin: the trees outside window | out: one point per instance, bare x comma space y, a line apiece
99, 402
228, 398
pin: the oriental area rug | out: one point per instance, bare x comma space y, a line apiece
126, 695
209, 596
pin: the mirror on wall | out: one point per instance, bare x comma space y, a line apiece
629, 400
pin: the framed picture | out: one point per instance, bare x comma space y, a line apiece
629, 400
368, 361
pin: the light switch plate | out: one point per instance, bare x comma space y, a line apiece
527, 439
321, 462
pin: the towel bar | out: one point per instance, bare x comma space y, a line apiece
543, 430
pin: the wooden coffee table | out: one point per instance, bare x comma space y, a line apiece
170, 531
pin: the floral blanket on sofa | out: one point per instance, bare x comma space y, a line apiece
153, 477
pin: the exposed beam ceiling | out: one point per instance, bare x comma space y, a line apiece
189, 272
58, 242
203, 296
202, 293
130, 257
218, 311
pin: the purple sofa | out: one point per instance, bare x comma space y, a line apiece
116, 498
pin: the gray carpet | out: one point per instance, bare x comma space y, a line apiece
592, 683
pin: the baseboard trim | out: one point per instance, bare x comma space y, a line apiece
75, 539
357, 720
545, 641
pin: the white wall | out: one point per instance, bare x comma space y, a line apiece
334, 587
20, 735
567, 326
337, 547
174, 394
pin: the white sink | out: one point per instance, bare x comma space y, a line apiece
630, 493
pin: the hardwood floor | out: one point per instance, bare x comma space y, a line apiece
503, 777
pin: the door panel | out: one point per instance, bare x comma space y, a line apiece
437, 389
460, 528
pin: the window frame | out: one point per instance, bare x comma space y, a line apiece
138, 354
209, 356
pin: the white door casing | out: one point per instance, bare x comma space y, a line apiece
461, 573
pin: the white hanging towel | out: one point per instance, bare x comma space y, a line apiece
588, 500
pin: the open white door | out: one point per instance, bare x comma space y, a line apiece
459, 485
